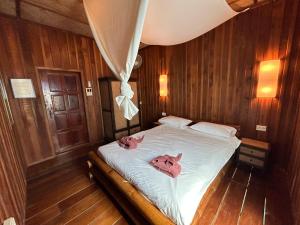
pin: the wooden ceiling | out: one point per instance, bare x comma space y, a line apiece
63, 14
69, 14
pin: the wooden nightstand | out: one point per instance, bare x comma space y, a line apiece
254, 153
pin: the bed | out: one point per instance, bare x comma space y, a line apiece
158, 198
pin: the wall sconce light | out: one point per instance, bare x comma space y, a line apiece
163, 85
268, 79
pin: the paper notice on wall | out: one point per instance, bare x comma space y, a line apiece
22, 88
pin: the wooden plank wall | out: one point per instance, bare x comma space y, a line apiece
25, 46
294, 174
12, 168
290, 99
290, 125
214, 77
294, 169
148, 76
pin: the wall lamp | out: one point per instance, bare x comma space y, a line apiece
163, 85
268, 79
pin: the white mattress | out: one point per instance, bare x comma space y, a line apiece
203, 156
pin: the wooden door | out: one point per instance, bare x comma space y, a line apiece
65, 108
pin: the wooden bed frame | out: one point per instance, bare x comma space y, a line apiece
136, 206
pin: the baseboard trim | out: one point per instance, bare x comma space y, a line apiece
48, 166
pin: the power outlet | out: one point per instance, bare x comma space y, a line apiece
261, 128
163, 114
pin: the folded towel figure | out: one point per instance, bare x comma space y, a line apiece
130, 142
168, 164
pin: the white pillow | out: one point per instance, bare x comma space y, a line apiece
214, 129
174, 121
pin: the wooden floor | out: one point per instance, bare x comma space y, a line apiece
68, 197
248, 197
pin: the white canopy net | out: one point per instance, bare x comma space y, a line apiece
118, 27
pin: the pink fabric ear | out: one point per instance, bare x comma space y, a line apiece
178, 157
130, 142
140, 139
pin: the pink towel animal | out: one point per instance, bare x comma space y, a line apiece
168, 164
130, 142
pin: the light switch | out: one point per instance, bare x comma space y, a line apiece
10, 221
89, 91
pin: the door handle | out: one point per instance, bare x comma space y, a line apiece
50, 113
48, 105
49, 110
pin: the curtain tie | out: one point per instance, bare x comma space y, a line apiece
124, 101
126, 90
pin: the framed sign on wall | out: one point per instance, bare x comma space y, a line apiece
22, 88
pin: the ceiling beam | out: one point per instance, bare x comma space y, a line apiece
50, 18
72, 9
241, 5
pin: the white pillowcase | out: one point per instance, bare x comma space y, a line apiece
214, 129
174, 121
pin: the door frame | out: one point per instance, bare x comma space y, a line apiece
41, 93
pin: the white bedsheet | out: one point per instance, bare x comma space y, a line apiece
203, 156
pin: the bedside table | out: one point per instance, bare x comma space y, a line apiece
254, 153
